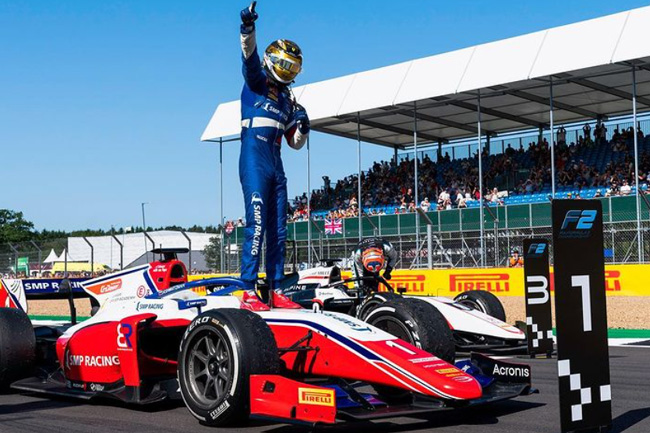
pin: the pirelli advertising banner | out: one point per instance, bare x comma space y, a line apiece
620, 280
581, 315
539, 321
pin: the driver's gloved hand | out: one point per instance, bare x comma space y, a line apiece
387, 275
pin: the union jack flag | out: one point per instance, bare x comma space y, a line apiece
333, 226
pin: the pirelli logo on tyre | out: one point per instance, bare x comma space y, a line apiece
497, 282
316, 396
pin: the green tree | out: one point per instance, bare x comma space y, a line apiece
212, 253
14, 227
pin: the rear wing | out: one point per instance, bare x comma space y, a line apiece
12, 294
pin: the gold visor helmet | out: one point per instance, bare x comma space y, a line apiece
283, 60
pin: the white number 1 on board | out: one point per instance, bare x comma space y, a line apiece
582, 281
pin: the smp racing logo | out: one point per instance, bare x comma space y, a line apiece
257, 203
536, 250
577, 224
488, 282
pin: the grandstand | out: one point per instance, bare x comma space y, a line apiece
540, 82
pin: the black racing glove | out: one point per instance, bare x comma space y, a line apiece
248, 18
387, 272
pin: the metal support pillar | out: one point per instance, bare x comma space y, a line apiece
552, 144
480, 180
359, 208
415, 190
92, 256
429, 246
189, 247
221, 257
121, 251
309, 203
639, 234
40, 257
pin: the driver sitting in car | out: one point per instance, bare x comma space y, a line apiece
369, 257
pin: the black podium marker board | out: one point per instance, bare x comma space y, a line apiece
581, 315
539, 322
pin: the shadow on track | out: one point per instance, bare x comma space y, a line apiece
484, 415
629, 419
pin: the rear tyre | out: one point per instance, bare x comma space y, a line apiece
373, 301
484, 302
418, 323
218, 353
17, 346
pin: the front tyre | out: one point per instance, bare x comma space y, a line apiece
483, 301
17, 346
219, 351
419, 323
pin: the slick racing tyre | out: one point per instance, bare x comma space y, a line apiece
219, 351
375, 300
484, 302
17, 346
419, 323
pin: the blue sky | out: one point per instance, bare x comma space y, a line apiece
103, 102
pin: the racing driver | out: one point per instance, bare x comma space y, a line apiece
268, 111
369, 257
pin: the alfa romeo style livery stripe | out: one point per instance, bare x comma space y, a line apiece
363, 352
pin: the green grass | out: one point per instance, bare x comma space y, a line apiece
57, 318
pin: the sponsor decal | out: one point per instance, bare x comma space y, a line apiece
497, 282
352, 324
124, 332
423, 360
257, 203
502, 370
613, 281
92, 361
106, 287
536, 250
448, 370
316, 396
219, 410
97, 387
160, 269
141, 292
577, 224
142, 306
411, 283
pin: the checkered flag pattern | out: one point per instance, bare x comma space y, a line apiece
535, 334
603, 392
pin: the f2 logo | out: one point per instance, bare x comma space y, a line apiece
124, 332
583, 219
536, 249
540, 288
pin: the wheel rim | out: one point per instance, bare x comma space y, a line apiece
395, 328
210, 369
472, 304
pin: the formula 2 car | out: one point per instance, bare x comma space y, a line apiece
476, 318
229, 358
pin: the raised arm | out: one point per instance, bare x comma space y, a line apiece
251, 67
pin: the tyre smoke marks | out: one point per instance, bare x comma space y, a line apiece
583, 355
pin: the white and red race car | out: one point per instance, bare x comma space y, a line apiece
229, 358
477, 318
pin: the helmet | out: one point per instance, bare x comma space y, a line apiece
373, 259
283, 60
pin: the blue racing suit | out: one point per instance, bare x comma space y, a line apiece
268, 113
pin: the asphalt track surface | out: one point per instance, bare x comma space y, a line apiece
537, 413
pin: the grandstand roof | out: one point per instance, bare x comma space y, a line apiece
589, 63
